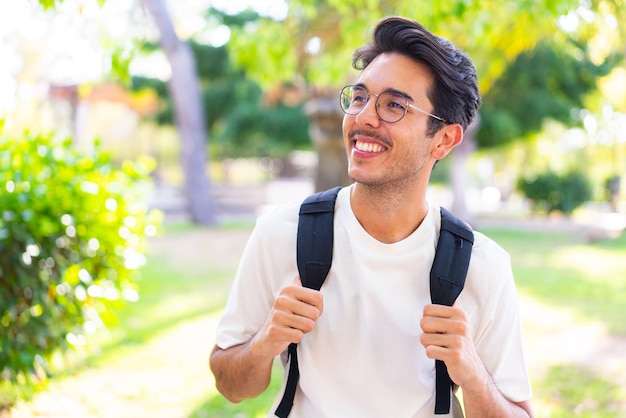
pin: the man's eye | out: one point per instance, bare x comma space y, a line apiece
396, 105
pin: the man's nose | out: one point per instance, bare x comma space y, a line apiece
369, 114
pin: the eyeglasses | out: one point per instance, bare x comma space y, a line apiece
390, 106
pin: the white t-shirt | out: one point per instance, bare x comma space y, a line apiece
364, 357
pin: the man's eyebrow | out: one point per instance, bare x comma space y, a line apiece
390, 90
399, 93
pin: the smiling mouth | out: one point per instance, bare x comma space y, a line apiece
368, 146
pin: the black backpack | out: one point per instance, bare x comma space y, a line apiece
314, 257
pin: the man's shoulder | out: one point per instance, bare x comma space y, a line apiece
284, 214
284, 217
490, 261
483, 242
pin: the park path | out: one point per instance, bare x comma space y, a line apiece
153, 381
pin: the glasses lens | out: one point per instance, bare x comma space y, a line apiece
391, 107
353, 99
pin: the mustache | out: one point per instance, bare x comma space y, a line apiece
375, 135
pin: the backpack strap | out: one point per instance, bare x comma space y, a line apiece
447, 278
314, 253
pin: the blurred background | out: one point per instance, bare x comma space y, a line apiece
139, 141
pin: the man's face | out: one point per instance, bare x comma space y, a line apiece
381, 152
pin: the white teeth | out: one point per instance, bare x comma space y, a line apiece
368, 146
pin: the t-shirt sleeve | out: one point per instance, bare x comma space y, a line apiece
267, 264
498, 337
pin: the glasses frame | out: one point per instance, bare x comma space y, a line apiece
377, 105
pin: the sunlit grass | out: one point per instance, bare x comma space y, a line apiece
173, 290
563, 270
570, 390
216, 406
596, 263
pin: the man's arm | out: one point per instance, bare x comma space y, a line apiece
446, 337
239, 372
244, 371
482, 398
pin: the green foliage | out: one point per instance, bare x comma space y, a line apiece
551, 192
493, 33
47, 4
121, 58
165, 114
240, 124
545, 83
254, 130
72, 228
52, 4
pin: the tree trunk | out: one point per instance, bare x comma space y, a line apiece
459, 171
185, 91
325, 131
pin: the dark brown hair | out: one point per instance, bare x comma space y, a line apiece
455, 96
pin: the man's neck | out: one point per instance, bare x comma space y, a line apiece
389, 214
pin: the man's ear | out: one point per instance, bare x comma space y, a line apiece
449, 137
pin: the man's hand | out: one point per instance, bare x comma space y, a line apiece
243, 371
446, 337
294, 313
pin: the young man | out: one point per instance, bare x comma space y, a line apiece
369, 338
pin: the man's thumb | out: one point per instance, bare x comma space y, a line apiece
297, 282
